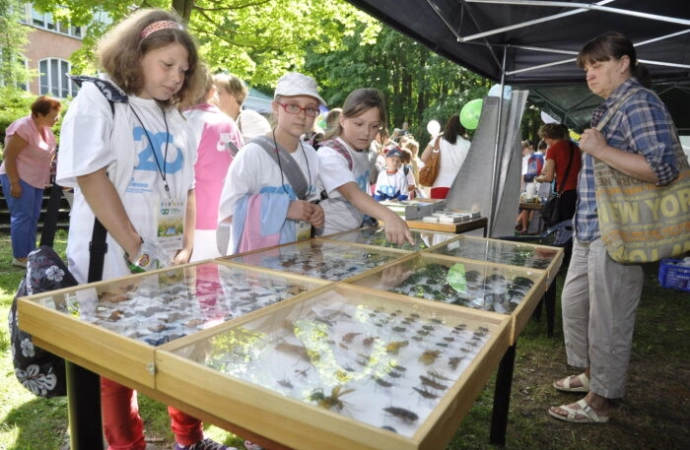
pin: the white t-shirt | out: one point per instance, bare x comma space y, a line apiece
390, 184
253, 171
452, 157
334, 172
252, 124
92, 138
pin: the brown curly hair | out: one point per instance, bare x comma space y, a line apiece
121, 50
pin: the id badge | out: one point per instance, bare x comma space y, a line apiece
171, 224
303, 230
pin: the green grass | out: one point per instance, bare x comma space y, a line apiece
654, 414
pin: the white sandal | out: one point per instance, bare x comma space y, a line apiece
566, 387
583, 414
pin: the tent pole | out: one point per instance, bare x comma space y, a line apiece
494, 182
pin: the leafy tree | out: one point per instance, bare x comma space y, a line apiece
258, 40
419, 84
12, 39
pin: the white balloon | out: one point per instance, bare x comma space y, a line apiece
433, 127
547, 118
495, 91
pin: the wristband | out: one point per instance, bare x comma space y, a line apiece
139, 261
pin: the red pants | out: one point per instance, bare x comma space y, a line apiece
123, 427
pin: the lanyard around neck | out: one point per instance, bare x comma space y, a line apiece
161, 170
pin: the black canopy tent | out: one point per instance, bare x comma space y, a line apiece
533, 44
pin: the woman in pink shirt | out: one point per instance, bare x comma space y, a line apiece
25, 172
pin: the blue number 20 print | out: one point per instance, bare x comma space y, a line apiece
147, 158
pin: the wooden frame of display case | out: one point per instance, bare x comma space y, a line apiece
461, 227
133, 363
299, 424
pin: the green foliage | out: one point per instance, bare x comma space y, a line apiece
12, 39
419, 84
14, 103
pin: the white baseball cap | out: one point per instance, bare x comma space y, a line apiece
293, 84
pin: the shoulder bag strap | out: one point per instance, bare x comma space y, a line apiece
287, 164
338, 147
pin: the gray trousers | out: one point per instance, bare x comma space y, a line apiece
599, 300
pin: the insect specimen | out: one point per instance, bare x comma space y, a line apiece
425, 393
433, 373
292, 349
285, 383
332, 401
395, 346
302, 373
429, 357
426, 381
454, 361
381, 382
368, 341
402, 414
347, 338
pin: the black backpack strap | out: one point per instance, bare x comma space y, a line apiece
97, 248
287, 164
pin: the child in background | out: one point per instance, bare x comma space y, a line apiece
392, 182
131, 164
218, 140
345, 168
260, 198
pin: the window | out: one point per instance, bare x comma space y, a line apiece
47, 22
54, 79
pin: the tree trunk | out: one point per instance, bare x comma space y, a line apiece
183, 8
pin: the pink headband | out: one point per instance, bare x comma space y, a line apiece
160, 25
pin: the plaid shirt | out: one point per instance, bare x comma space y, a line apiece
642, 125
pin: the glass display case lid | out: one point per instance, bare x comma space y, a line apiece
162, 306
322, 259
462, 282
376, 236
505, 252
387, 362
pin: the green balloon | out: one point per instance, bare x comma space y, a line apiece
469, 115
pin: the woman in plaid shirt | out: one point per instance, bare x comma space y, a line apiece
600, 296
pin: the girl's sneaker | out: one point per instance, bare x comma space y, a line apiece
205, 444
249, 445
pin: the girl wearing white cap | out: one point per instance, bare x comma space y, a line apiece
269, 192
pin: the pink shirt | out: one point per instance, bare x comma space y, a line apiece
213, 130
33, 162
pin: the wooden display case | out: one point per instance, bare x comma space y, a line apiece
509, 290
519, 254
345, 368
112, 327
322, 259
376, 236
